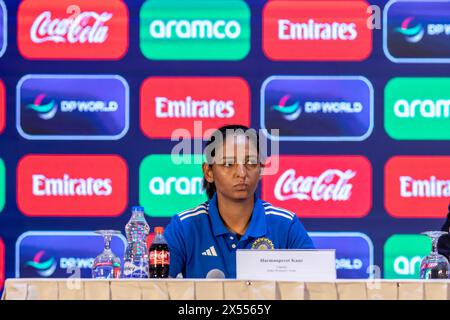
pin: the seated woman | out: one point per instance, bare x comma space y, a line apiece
203, 240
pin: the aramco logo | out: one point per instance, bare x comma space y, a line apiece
412, 33
43, 268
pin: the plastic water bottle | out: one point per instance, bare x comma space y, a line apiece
136, 255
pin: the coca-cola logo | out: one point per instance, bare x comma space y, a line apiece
331, 185
85, 27
68, 29
321, 186
159, 257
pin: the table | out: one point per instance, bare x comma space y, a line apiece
219, 289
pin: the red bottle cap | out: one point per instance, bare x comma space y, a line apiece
159, 230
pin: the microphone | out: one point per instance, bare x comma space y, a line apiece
215, 274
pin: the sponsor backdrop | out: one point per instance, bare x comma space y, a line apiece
91, 93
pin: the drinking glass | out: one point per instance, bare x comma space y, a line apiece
434, 265
107, 265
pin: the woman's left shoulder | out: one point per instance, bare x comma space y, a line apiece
278, 212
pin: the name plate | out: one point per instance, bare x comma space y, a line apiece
286, 264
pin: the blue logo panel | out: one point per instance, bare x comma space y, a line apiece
417, 31
60, 254
72, 107
3, 28
317, 108
354, 252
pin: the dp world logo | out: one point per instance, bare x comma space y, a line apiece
354, 252
3, 28
44, 110
44, 267
60, 254
413, 33
72, 107
416, 31
288, 111
317, 108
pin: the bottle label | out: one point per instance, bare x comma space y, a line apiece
107, 270
161, 257
104, 271
131, 270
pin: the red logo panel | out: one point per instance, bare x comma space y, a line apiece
72, 29
417, 186
2, 263
321, 186
317, 30
171, 103
2, 107
72, 185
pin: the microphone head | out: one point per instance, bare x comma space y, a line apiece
215, 274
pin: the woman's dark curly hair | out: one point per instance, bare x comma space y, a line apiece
210, 188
